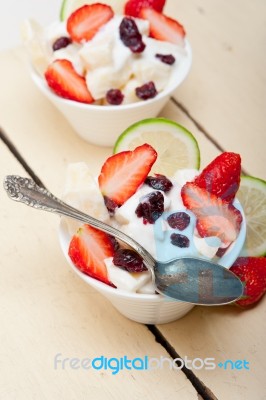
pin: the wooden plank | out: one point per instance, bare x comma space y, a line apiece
222, 333
41, 134
46, 310
225, 90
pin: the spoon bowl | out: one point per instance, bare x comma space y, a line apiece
186, 279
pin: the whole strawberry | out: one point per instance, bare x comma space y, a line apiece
133, 7
252, 272
222, 176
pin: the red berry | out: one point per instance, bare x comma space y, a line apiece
130, 35
61, 43
88, 249
85, 22
178, 220
162, 27
166, 58
252, 272
222, 176
146, 91
129, 260
114, 96
114, 242
150, 207
178, 240
110, 204
123, 173
159, 182
215, 217
66, 82
133, 7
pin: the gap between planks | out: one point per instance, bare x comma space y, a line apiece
201, 128
19, 157
202, 390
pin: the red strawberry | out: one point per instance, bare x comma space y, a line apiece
222, 176
215, 217
251, 271
162, 27
66, 82
124, 172
87, 250
85, 22
133, 7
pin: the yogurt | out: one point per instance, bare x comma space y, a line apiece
104, 61
82, 192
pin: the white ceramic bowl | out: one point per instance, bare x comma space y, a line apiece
146, 308
101, 125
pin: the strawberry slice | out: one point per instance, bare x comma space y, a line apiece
133, 7
88, 249
251, 271
124, 172
222, 176
162, 27
215, 217
85, 22
66, 82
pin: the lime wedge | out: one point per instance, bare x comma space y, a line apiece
176, 146
68, 6
252, 195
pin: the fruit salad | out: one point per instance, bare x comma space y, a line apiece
191, 213
98, 57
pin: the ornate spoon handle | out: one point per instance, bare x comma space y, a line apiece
26, 191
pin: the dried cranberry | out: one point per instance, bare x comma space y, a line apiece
150, 207
114, 96
159, 182
179, 220
179, 240
61, 43
221, 251
166, 58
130, 35
114, 242
129, 260
110, 204
146, 91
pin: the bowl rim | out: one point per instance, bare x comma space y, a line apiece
63, 238
102, 287
40, 82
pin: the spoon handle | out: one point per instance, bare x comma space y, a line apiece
26, 191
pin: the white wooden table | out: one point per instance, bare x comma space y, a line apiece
45, 309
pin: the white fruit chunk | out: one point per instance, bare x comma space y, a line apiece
33, 38
82, 192
124, 280
207, 246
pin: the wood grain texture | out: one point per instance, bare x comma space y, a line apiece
45, 310
225, 90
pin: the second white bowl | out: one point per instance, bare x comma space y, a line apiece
101, 125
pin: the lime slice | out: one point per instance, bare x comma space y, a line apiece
176, 146
68, 6
252, 195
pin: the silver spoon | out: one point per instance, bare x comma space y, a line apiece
186, 279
